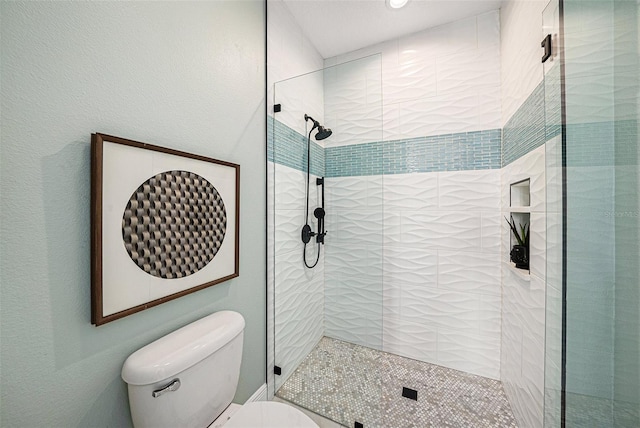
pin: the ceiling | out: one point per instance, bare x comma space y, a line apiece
339, 26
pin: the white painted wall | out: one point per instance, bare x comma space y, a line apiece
185, 75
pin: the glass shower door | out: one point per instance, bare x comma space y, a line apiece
593, 295
328, 318
554, 218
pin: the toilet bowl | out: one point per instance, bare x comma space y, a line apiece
190, 376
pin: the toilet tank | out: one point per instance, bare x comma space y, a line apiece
188, 377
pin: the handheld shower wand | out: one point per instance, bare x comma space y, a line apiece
319, 212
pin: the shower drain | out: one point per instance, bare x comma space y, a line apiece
410, 393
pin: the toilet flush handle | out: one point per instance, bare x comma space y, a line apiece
173, 386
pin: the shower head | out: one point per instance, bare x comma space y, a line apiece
322, 131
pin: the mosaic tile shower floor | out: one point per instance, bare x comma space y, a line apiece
349, 383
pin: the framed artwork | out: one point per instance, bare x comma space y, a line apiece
164, 223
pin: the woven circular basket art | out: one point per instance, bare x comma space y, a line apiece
174, 224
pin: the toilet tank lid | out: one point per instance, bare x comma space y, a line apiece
181, 349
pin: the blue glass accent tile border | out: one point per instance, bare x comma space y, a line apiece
626, 145
605, 144
288, 147
449, 152
552, 102
525, 131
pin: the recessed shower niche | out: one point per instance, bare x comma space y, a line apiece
519, 222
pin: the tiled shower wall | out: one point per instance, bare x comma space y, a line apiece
421, 200
415, 240
524, 156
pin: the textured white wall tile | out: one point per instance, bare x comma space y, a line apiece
410, 340
299, 96
353, 102
392, 228
589, 15
288, 224
391, 299
553, 336
271, 168
364, 227
355, 315
458, 230
491, 227
354, 263
299, 312
290, 277
411, 191
450, 230
490, 107
521, 33
579, 58
593, 97
353, 193
415, 228
536, 166
290, 185
361, 125
469, 272
456, 36
523, 304
444, 113
410, 265
361, 53
442, 80
533, 375
468, 71
537, 245
413, 77
475, 190
451, 310
346, 193
553, 175
511, 356
391, 122
532, 167
473, 353
346, 84
594, 195
488, 29
296, 337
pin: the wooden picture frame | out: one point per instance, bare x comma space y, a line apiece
164, 224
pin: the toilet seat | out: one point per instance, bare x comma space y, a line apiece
269, 414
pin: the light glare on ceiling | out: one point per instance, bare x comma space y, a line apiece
397, 4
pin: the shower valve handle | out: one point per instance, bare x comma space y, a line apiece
307, 233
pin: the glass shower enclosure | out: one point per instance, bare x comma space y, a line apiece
593, 290
337, 304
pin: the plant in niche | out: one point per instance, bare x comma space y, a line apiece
520, 252
522, 236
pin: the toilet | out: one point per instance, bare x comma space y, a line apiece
189, 377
